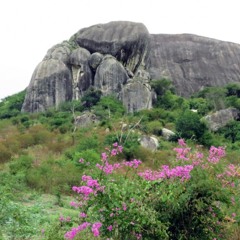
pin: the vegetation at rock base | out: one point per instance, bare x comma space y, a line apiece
189, 191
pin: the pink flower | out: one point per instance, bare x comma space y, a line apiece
181, 142
83, 215
104, 156
124, 206
134, 163
114, 152
109, 228
86, 178
93, 183
73, 204
81, 160
182, 172
68, 219
120, 149
95, 229
215, 154
85, 190
74, 231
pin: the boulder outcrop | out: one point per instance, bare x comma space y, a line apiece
110, 76
127, 41
193, 62
51, 84
221, 118
121, 58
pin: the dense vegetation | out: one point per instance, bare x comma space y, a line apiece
43, 155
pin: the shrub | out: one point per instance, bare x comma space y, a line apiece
154, 127
5, 153
50, 176
190, 126
130, 142
91, 98
11, 106
145, 205
109, 107
21, 164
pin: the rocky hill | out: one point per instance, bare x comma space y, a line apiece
121, 58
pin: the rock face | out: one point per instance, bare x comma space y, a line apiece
121, 58
51, 84
127, 41
136, 95
193, 62
110, 76
220, 118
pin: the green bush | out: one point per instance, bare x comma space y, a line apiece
21, 164
109, 107
51, 176
130, 142
190, 126
91, 98
200, 104
11, 106
5, 153
157, 204
154, 127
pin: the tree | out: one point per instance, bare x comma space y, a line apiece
91, 98
190, 126
232, 131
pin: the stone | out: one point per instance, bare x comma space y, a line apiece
136, 95
60, 52
95, 60
221, 118
86, 119
127, 41
81, 72
121, 58
193, 62
110, 76
167, 134
150, 143
50, 85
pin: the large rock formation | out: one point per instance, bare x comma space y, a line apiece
193, 62
121, 58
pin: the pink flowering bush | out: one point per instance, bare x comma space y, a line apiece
188, 200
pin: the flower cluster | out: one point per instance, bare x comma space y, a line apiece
182, 172
64, 219
108, 168
134, 163
215, 154
228, 176
119, 205
74, 231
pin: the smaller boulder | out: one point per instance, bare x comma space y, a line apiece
95, 60
86, 119
136, 95
221, 118
167, 134
150, 143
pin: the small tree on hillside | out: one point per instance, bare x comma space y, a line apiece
189, 126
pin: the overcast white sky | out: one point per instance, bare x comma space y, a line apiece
30, 27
